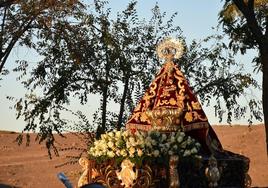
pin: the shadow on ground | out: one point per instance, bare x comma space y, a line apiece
7, 186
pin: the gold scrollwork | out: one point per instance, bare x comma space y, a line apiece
192, 116
198, 116
89, 172
165, 119
145, 178
196, 105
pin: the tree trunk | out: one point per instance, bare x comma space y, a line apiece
122, 106
104, 108
101, 128
105, 94
264, 62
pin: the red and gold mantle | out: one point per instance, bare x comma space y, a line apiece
169, 105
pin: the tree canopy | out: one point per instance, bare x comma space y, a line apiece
21, 21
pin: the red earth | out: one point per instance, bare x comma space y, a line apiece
22, 166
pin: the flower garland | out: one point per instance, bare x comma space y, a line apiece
136, 145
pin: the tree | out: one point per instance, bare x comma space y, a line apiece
21, 20
94, 56
116, 60
246, 23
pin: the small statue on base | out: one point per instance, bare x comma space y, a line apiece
212, 172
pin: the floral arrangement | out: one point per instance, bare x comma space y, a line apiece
136, 145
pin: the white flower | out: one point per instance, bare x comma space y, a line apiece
156, 153
142, 145
96, 142
118, 134
186, 153
111, 134
110, 154
110, 144
172, 139
131, 150
164, 137
125, 134
123, 152
132, 141
183, 144
104, 136
128, 145
194, 151
179, 139
148, 144
182, 134
102, 146
170, 152
140, 152
118, 142
97, 154
167, 145
189, 141
153, 142
163, 149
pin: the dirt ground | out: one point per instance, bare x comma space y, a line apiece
30, 167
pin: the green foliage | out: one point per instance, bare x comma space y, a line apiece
243, 33
95, 56
21, 21
248, 29
218, 79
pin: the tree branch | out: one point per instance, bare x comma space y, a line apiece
24, 27
211, 84
251, 4
266, 29
2, 31
248, 12
7, 3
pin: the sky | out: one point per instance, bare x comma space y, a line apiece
196, 19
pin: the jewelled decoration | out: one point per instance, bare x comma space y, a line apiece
170, 48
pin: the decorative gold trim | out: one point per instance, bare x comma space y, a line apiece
185, 128
198, 125
89, 172
174, 181
139, 127
165, 119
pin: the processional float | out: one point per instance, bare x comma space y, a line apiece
169, 116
